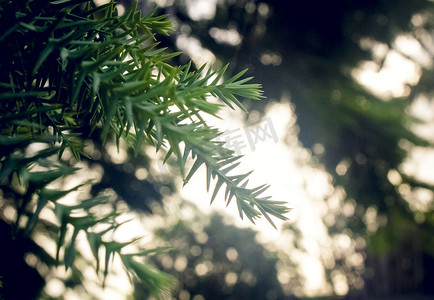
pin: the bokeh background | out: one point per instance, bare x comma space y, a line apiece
348, 88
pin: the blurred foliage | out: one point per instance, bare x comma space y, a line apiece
214, 260
306, 52
78, 78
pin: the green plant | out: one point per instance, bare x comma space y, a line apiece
74, 71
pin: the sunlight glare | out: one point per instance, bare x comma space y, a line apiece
201, 9
391, 80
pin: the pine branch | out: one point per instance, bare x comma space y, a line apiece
219, 162
73, 67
